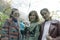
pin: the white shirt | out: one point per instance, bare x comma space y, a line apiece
46, 29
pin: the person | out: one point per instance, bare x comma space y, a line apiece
10, 29
33, 30
50, 29
22, 27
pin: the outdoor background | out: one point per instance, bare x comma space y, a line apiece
25, 6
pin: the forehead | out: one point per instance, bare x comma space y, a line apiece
44, 12
16, 13
33, 13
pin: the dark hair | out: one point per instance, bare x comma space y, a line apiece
13, 10
37, 18
44, 9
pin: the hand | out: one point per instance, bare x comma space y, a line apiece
49, 38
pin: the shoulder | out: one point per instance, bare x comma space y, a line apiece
6, 21
38, 25
55, 21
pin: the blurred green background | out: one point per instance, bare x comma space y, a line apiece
4, 11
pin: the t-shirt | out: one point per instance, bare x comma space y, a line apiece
46, 29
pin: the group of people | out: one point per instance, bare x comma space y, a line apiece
47, 30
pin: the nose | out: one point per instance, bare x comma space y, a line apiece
44, 15
32, 16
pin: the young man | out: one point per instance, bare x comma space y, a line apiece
50, 29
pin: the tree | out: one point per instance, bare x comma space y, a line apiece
5, 7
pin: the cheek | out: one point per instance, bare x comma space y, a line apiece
33, 17
47, 16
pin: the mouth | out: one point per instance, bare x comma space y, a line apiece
44, 17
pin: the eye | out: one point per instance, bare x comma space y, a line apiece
33, 15
16, 14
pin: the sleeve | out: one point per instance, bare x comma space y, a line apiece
4, 30
57, 31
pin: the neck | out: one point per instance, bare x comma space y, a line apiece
49, 19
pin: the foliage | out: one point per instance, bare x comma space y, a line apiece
3, 17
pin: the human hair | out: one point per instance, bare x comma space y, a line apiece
44, 9
12, 12
37, 18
